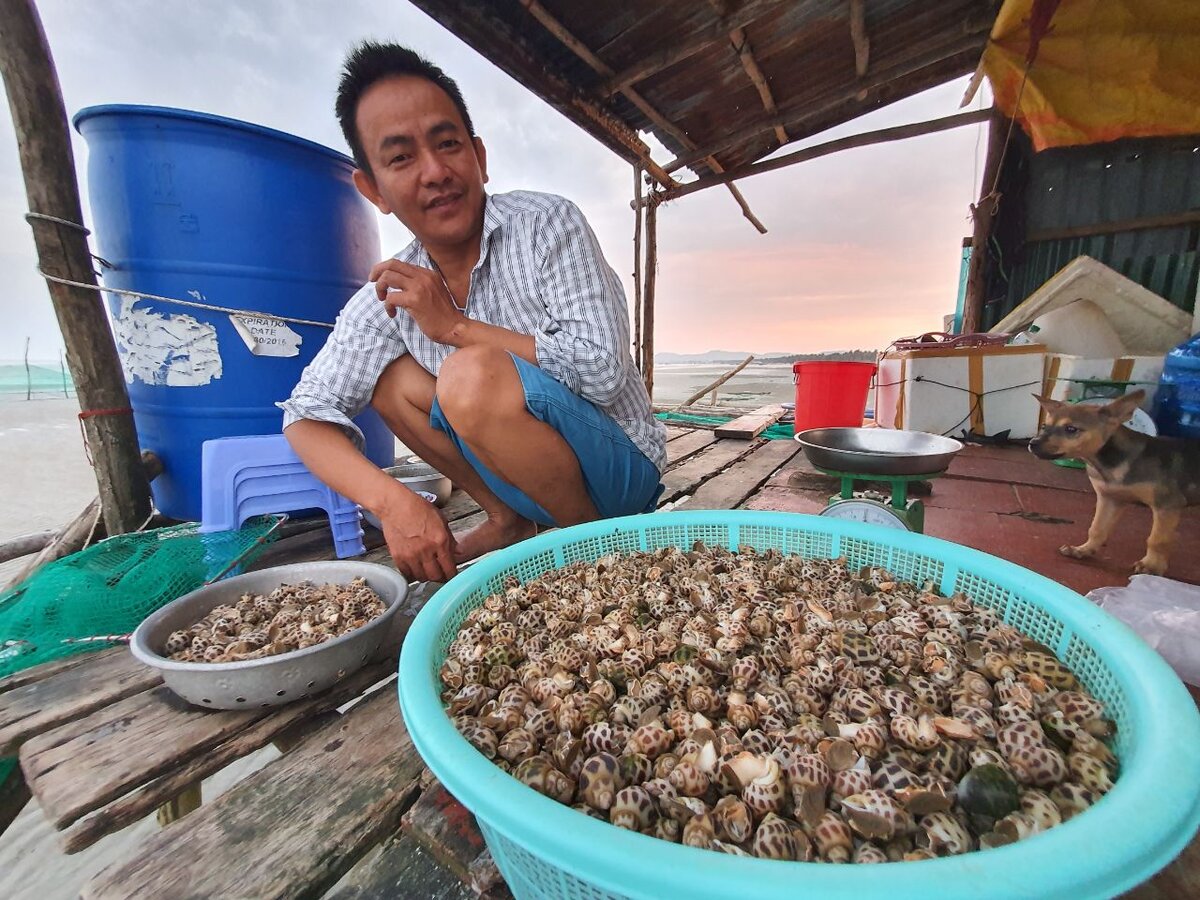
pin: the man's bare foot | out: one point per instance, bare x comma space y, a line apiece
492, 535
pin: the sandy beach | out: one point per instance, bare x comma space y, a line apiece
44, 471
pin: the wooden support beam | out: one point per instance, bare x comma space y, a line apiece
23, 545
673, 52
741, 46
576, 46
637, 267
983, 214
813, 108
858, 36
865, 139
44, 144
478, 25
648, 298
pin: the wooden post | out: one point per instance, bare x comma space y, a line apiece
648, 298
637, 266
50, 186
984, 215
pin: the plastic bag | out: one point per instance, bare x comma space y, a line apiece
1164, 613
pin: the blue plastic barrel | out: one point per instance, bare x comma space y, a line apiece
1177, 403
220, 212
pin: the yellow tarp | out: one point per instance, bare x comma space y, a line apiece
1104, 69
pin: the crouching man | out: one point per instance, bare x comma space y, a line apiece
495, 345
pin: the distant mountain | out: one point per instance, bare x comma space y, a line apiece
733, 357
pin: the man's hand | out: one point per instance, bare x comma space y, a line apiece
421, 292
419, 540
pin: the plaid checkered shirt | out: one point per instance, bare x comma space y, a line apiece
540, 272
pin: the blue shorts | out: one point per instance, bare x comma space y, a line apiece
619, 478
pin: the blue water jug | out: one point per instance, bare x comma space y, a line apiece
1177, 403
221, 213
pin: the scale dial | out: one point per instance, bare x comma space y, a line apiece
871, 512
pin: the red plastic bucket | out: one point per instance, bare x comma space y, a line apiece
831, 394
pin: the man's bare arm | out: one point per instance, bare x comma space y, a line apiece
419, 540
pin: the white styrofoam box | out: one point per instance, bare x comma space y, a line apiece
1145, 321
1067, 376
984, 390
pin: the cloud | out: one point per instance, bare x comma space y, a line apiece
863, 246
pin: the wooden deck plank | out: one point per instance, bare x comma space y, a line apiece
446, 829
686, 476
401, 867
729, 489
79, 767
292, 829
689, 445
752, 424
45, 670
132, 807
70, 693
677, 431
14, 794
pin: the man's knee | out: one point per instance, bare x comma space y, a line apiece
404, 383
478, 384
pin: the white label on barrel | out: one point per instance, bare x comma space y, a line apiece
265, 336
161, 349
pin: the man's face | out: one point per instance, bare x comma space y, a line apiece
425, 168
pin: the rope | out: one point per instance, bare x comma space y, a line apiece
42, 217
66, 223
90, 413
189, 303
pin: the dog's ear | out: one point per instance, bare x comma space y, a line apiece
1122, 408
1050, 406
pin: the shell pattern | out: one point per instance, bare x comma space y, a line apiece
291, 617
774, 706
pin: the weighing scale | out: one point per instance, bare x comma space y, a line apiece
875, 454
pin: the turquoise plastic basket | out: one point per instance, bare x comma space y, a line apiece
547, 850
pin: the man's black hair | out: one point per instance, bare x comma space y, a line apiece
370, 62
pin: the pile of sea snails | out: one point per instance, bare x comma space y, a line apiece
291, 617
768, 705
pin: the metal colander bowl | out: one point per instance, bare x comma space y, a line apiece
273, 680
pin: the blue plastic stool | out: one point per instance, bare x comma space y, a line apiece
249, 476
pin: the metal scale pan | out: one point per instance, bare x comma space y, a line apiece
878, 451
878, 454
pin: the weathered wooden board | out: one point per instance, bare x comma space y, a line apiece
446, 829
82, 765
676, 431
1178, 881
688, 445
280, 726
749, 426
14, 794
290, 830
71, 693
459, 506
730, 488
45, 670
401, 867
684, 477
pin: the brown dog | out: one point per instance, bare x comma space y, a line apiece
1124, 467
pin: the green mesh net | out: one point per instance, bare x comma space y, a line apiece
774, 433
109, 588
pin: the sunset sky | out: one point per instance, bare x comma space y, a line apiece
863, 247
